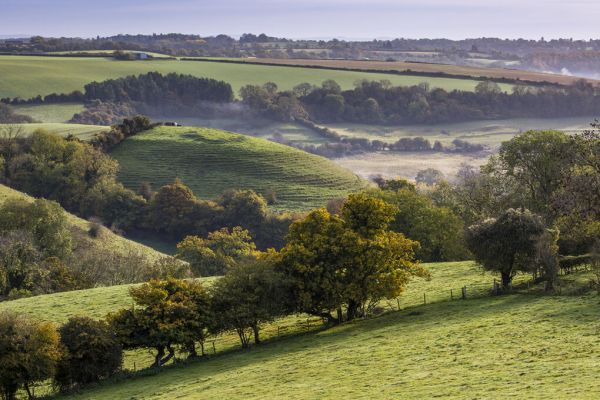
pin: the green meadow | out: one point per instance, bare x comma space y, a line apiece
211, 161
532, 345
28, 76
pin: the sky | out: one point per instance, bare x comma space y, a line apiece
349, 19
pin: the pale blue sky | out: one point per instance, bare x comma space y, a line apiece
306, 18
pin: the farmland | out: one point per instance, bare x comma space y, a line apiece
28, 76
448, 350
212, 161
424, 68
50, 112
83, 132
460, 344
407, 164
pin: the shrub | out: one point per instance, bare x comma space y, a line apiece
91, 352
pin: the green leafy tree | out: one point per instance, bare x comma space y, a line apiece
506, 244
437, 229
170, 313
217, 253
29, 352
348, 260
44, 219
247, 296
537, 160
91, 352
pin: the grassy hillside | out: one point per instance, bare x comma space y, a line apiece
211, 161
83, 132
108, 241
98, 302
28, 76
50, 112
462, 349
452, 349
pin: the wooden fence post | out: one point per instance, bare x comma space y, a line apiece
398, 302
464, 292
214, 348
424, 298
451, 295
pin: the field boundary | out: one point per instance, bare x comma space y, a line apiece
403, 72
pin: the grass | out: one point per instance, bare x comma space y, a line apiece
513, 346
423, 67
211, 161
83, 132
28, 76
107, 241
490, 133
50, 112
261, 128
522, 345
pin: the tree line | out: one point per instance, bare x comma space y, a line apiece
381, 103
316, 273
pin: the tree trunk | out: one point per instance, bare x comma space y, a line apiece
340, 315
506, 279
169, 356
202, 348
243, 338
191, 348
160, 352
28, 390
256, 333
352, 308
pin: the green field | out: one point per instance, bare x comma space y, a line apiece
50, 112
490, 133
474, 348
212, 161
106, 242
505, 347
28, 76
83, 132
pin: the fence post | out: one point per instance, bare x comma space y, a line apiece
398, 302
307, 324
214, 349
424, 298
451, 295
464, 292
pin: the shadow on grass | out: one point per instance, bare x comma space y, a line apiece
410, 320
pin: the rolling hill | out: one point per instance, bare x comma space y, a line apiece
29, 76
211, 161
447, 349
106, 242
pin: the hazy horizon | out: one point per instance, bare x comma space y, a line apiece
310, 19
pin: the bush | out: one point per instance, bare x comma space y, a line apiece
91, 352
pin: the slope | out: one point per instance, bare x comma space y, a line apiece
107, 242
211, 161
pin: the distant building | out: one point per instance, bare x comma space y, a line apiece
171, 124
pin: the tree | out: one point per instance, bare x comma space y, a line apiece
506, 244
170, 313
429, 176
249, 295
437, 229
537, 160
348, 260
29, 352
91, 352
243, 208
216, 254
44, 219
